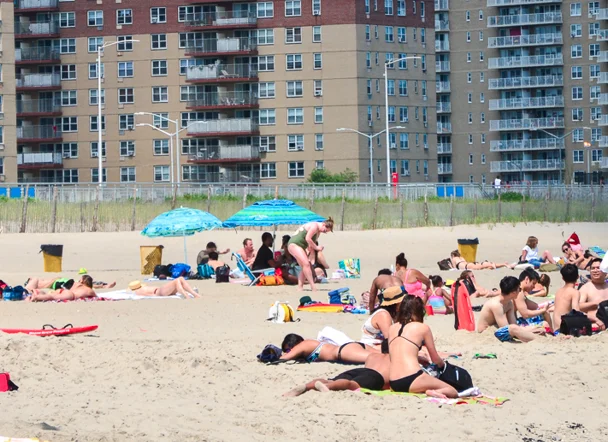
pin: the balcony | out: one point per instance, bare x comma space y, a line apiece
222, 73
36, 134
499, 3
225, 46
36, 5
444, 168
443, 107
603, 57
526, 103
603, 120
525, 40
545, 18
603, 100
224, 100
32, 82
603, 78
221, 20
527, 124
526, 82
442, 25
525, 165
604, 163
226, 154
442, 5
38, 108
48, 29
603, 141
525, 145
444, 148
442, 66
442, 45
526, 61
444, 128
442, 87
34, 55
39, 160
223, 127
602, 14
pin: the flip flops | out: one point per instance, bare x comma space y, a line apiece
485, 356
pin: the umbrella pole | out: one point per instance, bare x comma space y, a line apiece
185, 250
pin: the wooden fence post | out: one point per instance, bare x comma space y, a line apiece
499, 208
402, 205
475, 209
592, 205
426, 211
276, 192
24, 210
245, 192
54, 209
546, 207
341, 209
523, 207
208, 198
451, 210
568, 197
82, 216
174, 197
375, 212
96, 210
311, 202
134, 209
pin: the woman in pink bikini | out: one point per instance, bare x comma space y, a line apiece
414, 281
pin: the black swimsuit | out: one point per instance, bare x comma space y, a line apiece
403, 385
344, 345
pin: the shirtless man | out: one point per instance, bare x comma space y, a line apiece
567, 297
500, 312
247, 252
81, 289
384, 280
531, 313
176, 286
594, 292
214, 261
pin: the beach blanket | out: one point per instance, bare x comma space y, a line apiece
322, 308
120, 295
154, 278
598, 251
476, 400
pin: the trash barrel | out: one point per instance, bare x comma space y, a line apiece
468, 249
53, 256
150, 256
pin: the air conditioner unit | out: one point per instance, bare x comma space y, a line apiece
406, 173
1, 146
129, 127
370, 123
426, 124
401, 40
66, 155
316, 12
299, 147
154, 20
318, 93
121, 132
94, 155
426, 178
263, 148
393, 146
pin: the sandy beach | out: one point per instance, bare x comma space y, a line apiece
185, 370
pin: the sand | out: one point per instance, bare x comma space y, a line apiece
185, 370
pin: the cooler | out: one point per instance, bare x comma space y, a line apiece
468, 249
52, 255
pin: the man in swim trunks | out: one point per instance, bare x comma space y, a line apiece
247, 252
500, 312
594, 292
81, 289
531, 313
385, 281
567, 298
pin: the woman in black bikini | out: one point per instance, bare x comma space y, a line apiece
458, 262
406, 338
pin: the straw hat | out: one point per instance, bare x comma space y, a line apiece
392, 295
135, 285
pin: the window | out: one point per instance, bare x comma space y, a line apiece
596, 155
67, 46
317, 60
267, 117
594, 50
127, 148
576, 72
186, 63
594, 71
403, 114
482, 97
469, 77
295, 142
594, 8
127, 174
93, 126
578, 156
483, 158
94, 43
402, 61
93, 70
319, 164
95, 18
468, 36
126, 43
470, 119
316, 34
69, 150
404, 141
293, 8
161, 173
158, 41
266, 90
401, 8
126, 121
391, 114
482, 77
368, 60
67, 19
125, 69
367, 6
388, 7
483, 138
403, 88
265, 36
405, 168
93, 97
318, 87
595, 92
126, 95
293, 35
294, 88
391, 87
594, 29
468, 57
319, 142
401, 35
158, 15
295, 115
296, 169
469, 97
266, 63
481, 56
160, 94
576, 51
268, 170
480, 35
577, 114
596, 113
124, 16
467, 15
470, 138
577, 93
422, 9
68, 72
482, 117
69, 124
389, 35
161, 120
578, 136
388, 59
470, 159
576, 30
318, 115
575, 9
316, 7
265, 9
95, 151
596, 135
159, 68
266, 144
294, 62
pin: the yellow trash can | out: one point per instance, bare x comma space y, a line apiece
150, 256
53, 257
468, 249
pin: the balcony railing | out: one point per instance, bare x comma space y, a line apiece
443, 107
221, 72
603, 57
526, 165
442, 5
526, 61
444, 148
543, 18
526, 103
442, 25
442, 45
524, 145
603, 100
38, 132
227, 153
603, 141
444, 168
36, 4
603, 120
38, 80
39, 159
604, 163
36, 28
36, 54
499, 3
221, 45
444, 128
525, 40
442, 66
442, 86
221, 19
226, 176
603, 78
224, 99
44, 106
602, 14
527, 123
526, 82
228, 125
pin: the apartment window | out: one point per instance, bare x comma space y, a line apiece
266, 90
480, 35
293, 35
596, 134
67, 46
376, 55
294, 89
596, 155
389, 35
468, 36
266, 63
368, 60
578, 156
594, 8
318, 60
265, 9
161, 120
318, 88
69, 150
368, 33
67, 19
596, 113
68, 72
294, 62
95, 18
318, 115
402, 63
467, 15
388, 59
95, 150
594, 71
158, 15
295, 142
127, 148
468, 57
469, 77
403, 88
481, 56
577, 114
469, 97
403, 114
267, 117
68, 98
576, 51
391, 114
266, 144
319, 164
595, 92
470, 119
401, 11
576, 72
69, 124
159, 68
367, 9
296, 169
316, 7
594, 50
482, 117
594, 29
401, 35
93, 70
471, 159
575, 10
388, 7
124, 16
161, 174
483, 138
125, 69
127, 174
577, 93
295, 115
422, 9
160, 94
293, 8
482, 97
94, 43
470, 138
189, 93
578, 136
126, 121
93, 126
158, 41
404, 140
268, 170
265, 36
376, 32
126, 95
319, 144
125, 43
391, 87
576, 30
93, 97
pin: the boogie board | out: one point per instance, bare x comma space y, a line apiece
51, 331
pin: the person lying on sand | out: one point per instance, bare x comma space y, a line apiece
57, 283
81, 289
296, 347
500, 312
176, 286
566, 298
479, 292
594, 292
384, 281
458, 262
531, 313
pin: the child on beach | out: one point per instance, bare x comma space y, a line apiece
440, 301
530, 253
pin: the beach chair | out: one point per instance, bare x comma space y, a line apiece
254, 276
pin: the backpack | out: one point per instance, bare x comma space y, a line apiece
222, 274
457, 377
16, 293
602, 312
162, 270
281, 312
271, 280
205, 271
271, 353
179, 269
576, 324
444, 264
461, 300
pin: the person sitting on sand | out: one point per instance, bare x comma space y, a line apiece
567, 297
530, 312
440, 301
264, 258
214, 261
405, 339
375, 329
541, 288
530, 253
178, 286
458, 262
384, 281
414, 281
247, 253
571, 256
295, 347
594, 292
287, 263
500, 312
479, 292
203, 255
79, 290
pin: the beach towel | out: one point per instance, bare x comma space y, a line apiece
597, 251
129, 295
322, 308
155, 278
333, 336
351, 267
475, 400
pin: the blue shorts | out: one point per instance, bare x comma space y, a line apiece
536, 262
534, 320
502, 334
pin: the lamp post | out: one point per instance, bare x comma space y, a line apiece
387, 130
100, 49
369, 144
176, 134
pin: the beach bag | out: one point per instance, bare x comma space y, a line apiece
6, 384
271, 353
335, 296
602, 312
281, 312
444, 264
17, 293
461, 300
205, 271
161, 270
456, 377
180, 269
576, 324
267, 280
222, 274
548, 267
351, 267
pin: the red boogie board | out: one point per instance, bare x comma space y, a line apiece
51, 331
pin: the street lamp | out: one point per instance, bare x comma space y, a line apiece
176, 134
387, 130
370, 145
100, 49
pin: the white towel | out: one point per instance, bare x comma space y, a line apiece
333, 336
128, 294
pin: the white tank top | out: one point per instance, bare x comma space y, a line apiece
371, 335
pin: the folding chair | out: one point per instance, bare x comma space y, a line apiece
251, 274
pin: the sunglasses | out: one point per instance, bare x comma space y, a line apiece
565, 250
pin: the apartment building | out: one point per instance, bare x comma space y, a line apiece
257, 90
527, 78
